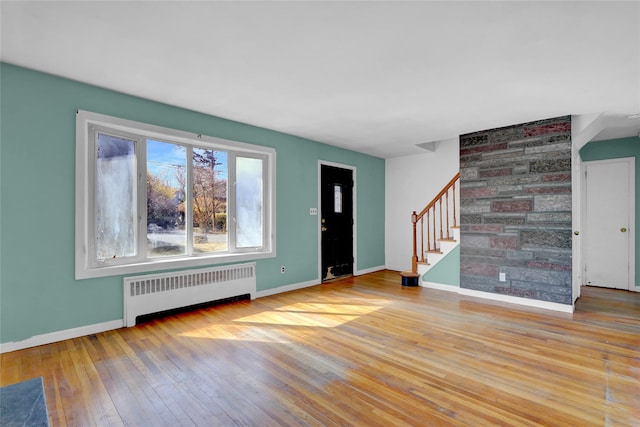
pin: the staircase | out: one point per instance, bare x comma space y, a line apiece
433, 257
435, 232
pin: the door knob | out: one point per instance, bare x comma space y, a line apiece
324, 228
624, 230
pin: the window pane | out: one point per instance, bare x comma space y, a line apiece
249, 202
116, 205
209, 201
166, 177
337, 198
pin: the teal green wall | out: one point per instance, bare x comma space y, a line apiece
447, 271
38, 292
614, 149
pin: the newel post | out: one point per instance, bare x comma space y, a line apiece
414, 258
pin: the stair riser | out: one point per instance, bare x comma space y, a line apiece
433, 258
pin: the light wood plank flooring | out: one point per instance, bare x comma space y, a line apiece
358, 351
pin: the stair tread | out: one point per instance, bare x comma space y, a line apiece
437, 251
447, 240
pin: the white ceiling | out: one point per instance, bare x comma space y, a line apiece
375, 77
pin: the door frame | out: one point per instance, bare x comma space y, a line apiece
631, 161
354, 228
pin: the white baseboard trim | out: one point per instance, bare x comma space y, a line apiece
287, 288
302, 285
565, 308
115, 324
56, 336
369, 270
440, 286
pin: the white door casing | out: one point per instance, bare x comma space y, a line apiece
609, 213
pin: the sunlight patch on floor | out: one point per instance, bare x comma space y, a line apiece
256, 327
315, 307
298, 319
311, 314
217, 331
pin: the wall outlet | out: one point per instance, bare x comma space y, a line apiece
282, 269
313, 211
503, 277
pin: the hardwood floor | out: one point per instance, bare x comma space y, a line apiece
359, 351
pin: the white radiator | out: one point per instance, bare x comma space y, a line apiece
159, 292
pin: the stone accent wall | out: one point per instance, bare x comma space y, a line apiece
515, 210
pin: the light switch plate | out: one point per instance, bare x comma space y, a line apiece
313, 211
503, 277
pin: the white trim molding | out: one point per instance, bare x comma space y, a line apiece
81, 331
287, 288
369, 270
546, 305
565, 308
354, 201
584, 241
440, 286
65, 334
90, 262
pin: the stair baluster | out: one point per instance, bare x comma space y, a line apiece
447, 209
421, 239
441, 235
434, 227
455, 222
431, 218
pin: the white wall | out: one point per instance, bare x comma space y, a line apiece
410, 183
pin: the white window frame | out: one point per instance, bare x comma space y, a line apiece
85, 264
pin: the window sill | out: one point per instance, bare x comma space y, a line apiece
168, 264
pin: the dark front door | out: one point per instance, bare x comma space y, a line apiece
336, 222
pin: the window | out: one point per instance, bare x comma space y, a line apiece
337, 198
151, 198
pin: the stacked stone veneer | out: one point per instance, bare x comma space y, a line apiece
515, 210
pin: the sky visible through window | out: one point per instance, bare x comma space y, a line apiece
161, 155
